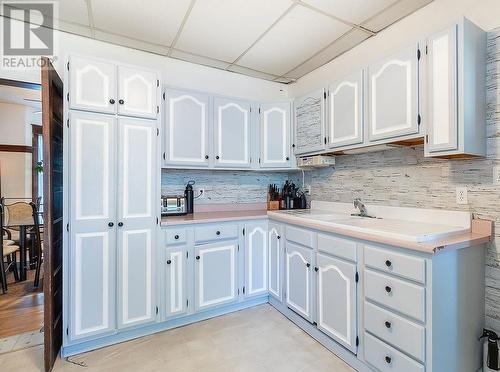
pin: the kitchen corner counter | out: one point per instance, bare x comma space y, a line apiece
213, 216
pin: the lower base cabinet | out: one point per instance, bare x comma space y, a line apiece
275, 261
175, 281
215, 274
299, 289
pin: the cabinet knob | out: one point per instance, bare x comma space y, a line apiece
217, 232
388, 263
111, 224
388, 359
206, 157
287, 158
120, 224
293, 145
121, 101
112, 101
388, 289
176, 237
387, 324
308, 264
197, 257
217, 157
169, 262
316, 269
278, 237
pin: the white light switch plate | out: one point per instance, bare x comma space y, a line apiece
462, 195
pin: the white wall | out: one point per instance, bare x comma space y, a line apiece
174, 72
433, 17
13, 124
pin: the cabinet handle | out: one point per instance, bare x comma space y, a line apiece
217, 157
278, 237
308, 264
388, 359
197, 257
388, 263
169, 262
120, 224
121, 101
388, 289
112, 101
176, 237
217, 232
111, 224
316, 269
293, 145
387, 324
206, 157
287, 158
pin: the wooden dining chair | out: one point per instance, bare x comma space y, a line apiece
8, 251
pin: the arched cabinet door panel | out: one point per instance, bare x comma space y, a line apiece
255, 259
232, 131
346, 113
275, 135
337, 300
175, 288
187, 128
299, 268
92, 85
393, 90
137, 92
275, 265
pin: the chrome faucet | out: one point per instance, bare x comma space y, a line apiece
362, 209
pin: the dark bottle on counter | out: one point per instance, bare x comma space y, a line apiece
189, 195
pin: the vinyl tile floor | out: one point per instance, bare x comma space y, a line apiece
259, 339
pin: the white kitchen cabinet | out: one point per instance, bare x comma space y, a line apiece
92, 235
136, 220
393, 95
187, 128
275, 135
275, 262
92, 85
336, 299
310, 122
255, 258
456, 59
137, 92
175, 289
299, 283
346, 111
232, 133
215, 274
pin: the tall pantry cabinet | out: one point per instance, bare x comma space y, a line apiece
113, 171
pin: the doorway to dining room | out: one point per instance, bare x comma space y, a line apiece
21, 216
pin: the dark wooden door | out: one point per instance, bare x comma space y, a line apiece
52, 127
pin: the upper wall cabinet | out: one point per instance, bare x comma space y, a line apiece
187, 128
275, 135
100, 86
309, 123
393, 88
232, 131
92, 85
346, 111
137, 92
456, 103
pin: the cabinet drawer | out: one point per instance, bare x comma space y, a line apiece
400, 264
407, 298
385, 358
396, 330
339, 247
300, 236
175, 236
215, 232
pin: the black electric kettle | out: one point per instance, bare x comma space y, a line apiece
189, 195
492, 360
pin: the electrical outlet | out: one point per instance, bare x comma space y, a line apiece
496, 175
462, 195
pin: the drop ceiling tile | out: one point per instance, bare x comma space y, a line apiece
70, 11
355, 11
298, 36
131, 43
223, 29
250, 72
347, 41
201, 60
153, 21
394, 13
